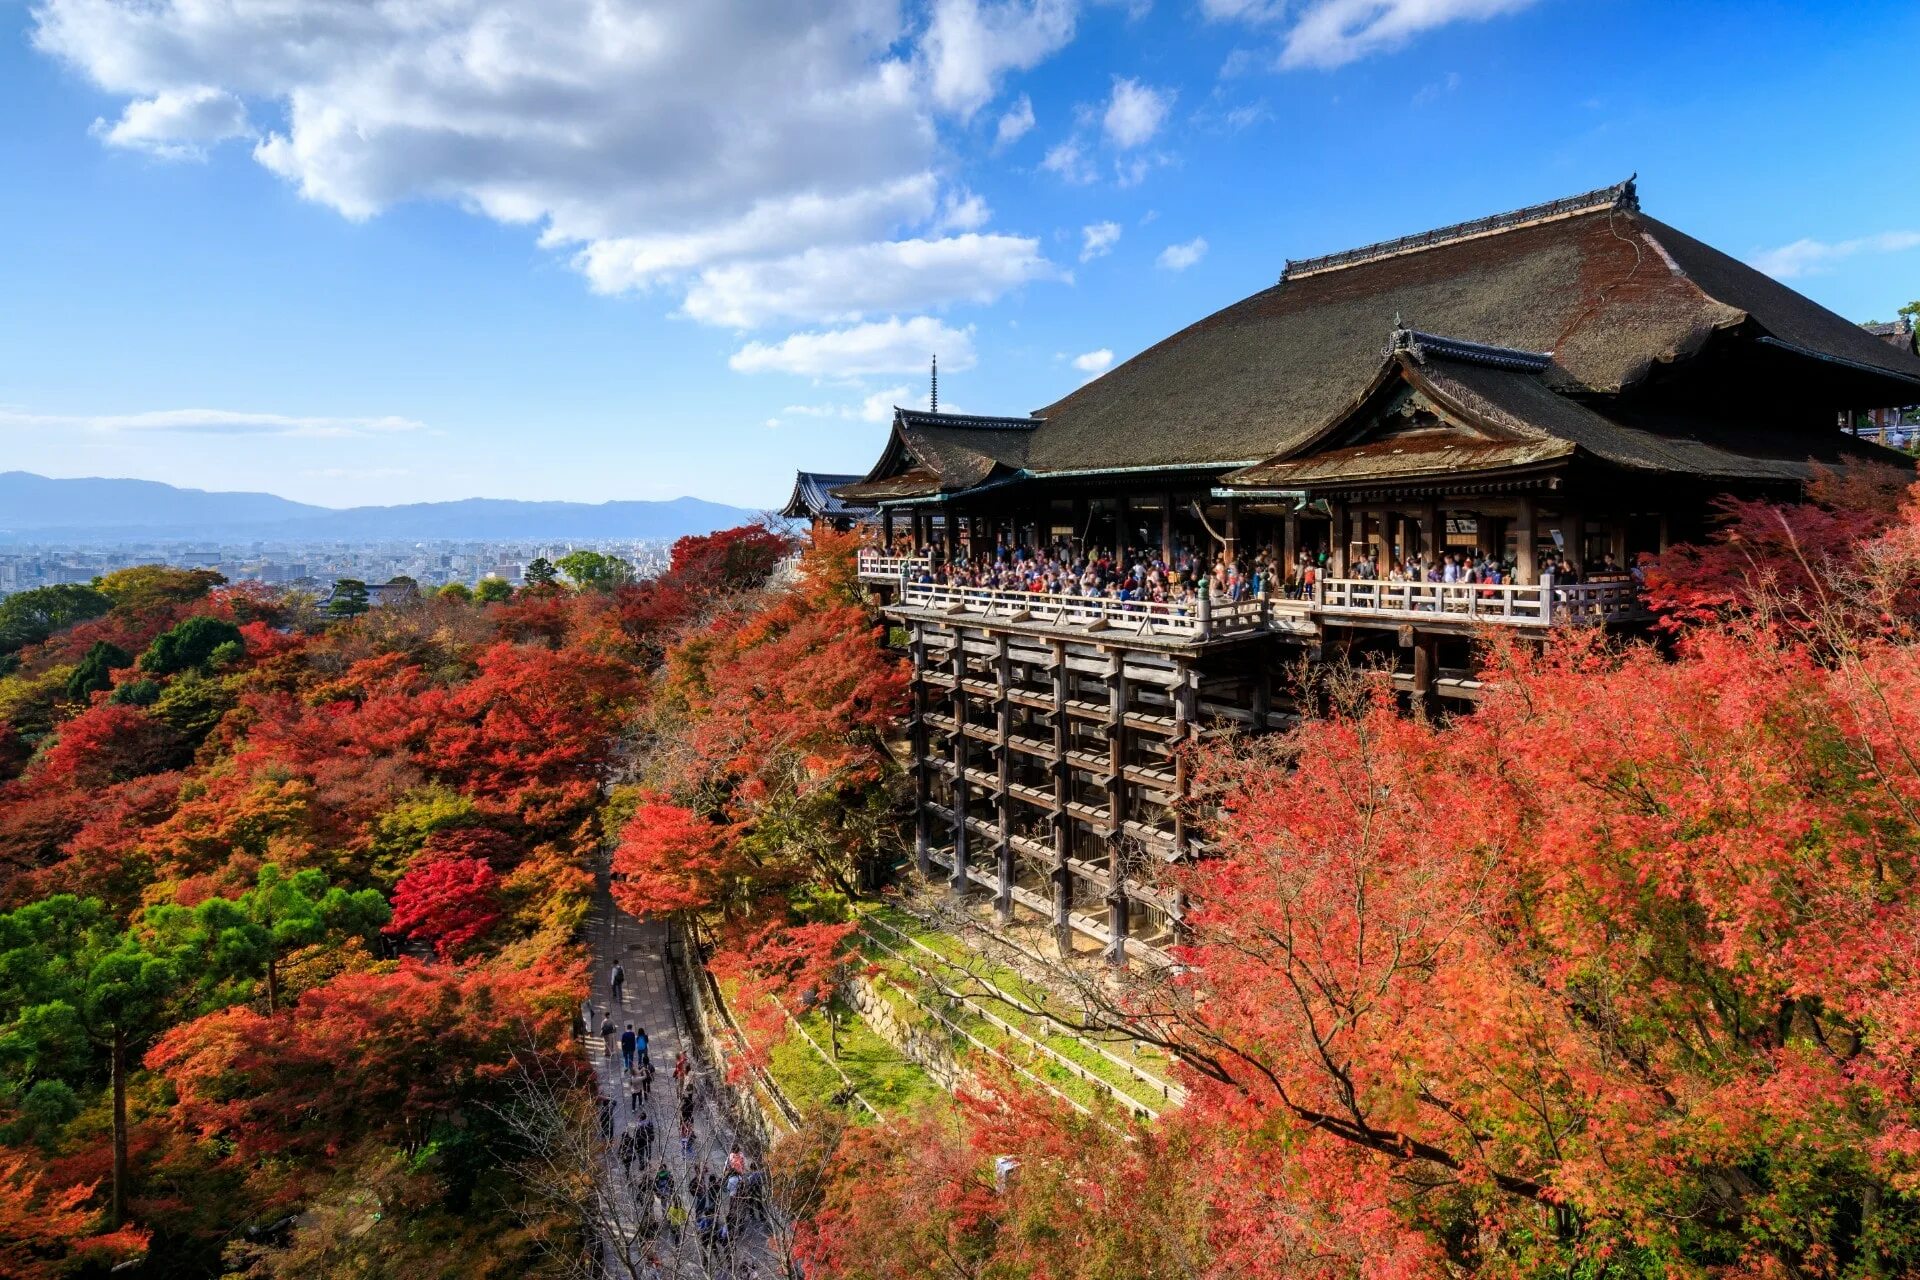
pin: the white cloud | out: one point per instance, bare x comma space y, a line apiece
1250, 11
1097, 240
1015, 123
889, 346
843, 284
1068, 159
179, 124
969, 45
962, 210
1332, 33
657, 143
1135, 112
1814, 257
1435, 90
1178, 257
210, 422
1094, 361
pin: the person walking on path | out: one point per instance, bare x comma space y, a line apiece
636, 1092
686, 1138
644, 1081
627, 1042
609, 1034
682, 1068
629, 1152
619, 983
640, 1048
644, 1133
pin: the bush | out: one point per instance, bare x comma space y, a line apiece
95, 670
137, 693
191, 644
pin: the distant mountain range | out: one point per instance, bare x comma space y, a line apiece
39, 509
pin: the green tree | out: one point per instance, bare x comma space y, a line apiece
73, 983
493, 590
349, 599
28, 617
145, 585
249, 936
456, 591
594, 570
540, 572
189, 645
95, 670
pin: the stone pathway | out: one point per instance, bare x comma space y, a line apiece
640, 1246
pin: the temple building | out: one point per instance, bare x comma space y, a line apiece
1382, 455
815, 502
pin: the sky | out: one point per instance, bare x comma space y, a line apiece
414, 250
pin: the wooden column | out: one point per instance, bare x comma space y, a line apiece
1573, 528
1426, 668
1525, 530
1122, 525
1432, 537
1003, 800
960, 785
1080, 526
886, 528
922, 767
1341, 537
1062, 794
1289, 547
1117, 809
1233, 530
1166, 528
1185, 726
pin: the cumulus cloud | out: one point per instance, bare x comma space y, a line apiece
970, 44
1095, 362
1135, 112
1332, 33
179, 124
1178, 257
1068, 159
889, 346
1097, 240
1016, 123
617, 129
211, 422
1813, 257
845, 284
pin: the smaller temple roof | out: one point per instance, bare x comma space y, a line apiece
934, 453
813, 498
1485, 409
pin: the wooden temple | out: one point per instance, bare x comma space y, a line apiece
813, 500
1561, 387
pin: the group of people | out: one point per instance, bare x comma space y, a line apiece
1095, 573
713, 1204
1148, 575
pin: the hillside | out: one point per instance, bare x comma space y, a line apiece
35, 508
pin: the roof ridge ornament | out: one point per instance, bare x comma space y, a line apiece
1423, 347
1620, 196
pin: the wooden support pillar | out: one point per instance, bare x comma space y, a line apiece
922, 767
1003, 799
1122, 526
1185, 726
1117, 809
1342, 538
1166, 528
1526, 533
1289, 547
1062, 795
1081, 529
960, 784
1233, 530
886, 528
1426, 669
1574, 529
1432, 537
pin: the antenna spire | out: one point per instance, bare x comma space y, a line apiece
933, 396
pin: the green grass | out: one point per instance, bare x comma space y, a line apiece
1066, 1045
881, 1074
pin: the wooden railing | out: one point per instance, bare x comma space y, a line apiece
1200, 620
875, 567
1505, 603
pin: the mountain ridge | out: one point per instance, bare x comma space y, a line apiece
36, 508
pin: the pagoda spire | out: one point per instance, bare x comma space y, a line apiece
933, 396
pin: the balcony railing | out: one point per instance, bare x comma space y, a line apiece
1201, 620
1507, 604
875, 567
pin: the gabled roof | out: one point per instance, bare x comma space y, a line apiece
1472, 408
812, 497
930, 453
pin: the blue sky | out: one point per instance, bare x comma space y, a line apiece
599, 249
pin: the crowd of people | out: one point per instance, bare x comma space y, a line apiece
1142, 574
715, 1204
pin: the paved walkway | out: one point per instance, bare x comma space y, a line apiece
640, 1243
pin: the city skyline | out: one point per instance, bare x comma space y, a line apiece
456, 258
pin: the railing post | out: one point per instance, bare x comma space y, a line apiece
1546, 604
1206, 610
1319, 591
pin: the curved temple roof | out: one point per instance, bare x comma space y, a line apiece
1612, 295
